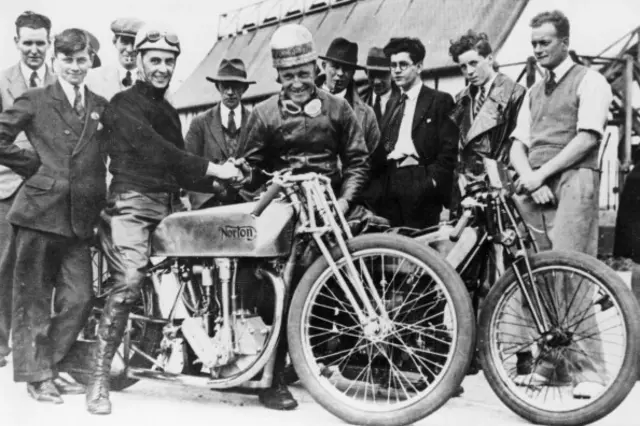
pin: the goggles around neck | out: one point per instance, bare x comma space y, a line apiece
155, 35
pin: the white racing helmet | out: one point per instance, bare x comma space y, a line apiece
157, 37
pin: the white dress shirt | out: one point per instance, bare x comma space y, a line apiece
224, 115
487, 89
594, 94
69, 91
26, 73
404, 146
383, 101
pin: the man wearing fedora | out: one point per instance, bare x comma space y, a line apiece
309, 130
109, 80
215, 133
340, 65
381, 89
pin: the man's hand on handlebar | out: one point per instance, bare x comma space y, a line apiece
343, 205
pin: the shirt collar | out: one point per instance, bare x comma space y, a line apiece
562, 68
224, 114
385, 97
488, 84
26, 73
69, 91
415, 90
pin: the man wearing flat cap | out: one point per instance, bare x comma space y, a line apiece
215, 133
340, 65
381, 89
109, 80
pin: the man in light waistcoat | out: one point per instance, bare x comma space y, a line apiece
555, 153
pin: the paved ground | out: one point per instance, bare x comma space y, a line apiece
151, 404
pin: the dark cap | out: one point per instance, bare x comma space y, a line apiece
126, 26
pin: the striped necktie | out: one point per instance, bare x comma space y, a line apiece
77, 102
478, 102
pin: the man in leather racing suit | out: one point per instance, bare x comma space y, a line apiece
309, 130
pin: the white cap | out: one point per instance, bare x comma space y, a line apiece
292, 45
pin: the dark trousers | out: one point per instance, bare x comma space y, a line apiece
6, 283
125, 229
406, 197
44, 262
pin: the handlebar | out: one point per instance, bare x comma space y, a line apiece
462, 223
269, 195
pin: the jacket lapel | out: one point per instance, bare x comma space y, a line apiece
91, 121
215, 128
422, 107
63, 107
492, 112
17, 85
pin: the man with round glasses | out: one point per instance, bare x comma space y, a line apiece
149, 165
309, 130
413, 165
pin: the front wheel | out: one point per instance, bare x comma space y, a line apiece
585, 365
394, 369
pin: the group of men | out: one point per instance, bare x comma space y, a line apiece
397, 150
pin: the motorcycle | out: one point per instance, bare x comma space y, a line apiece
380, 328
549, 320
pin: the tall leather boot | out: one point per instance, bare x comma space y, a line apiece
110, 332
278, 397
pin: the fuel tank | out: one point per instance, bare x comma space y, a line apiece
226, 231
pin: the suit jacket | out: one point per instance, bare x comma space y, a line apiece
12, 85
435, 137
105, 81
64, 189
364, 113
368, 98
488, 134
206, 139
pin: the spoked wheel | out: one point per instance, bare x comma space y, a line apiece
585, 366
386, 371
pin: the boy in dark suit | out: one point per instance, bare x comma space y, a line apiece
53, 215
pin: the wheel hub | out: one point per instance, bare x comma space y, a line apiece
378, 329
558, 338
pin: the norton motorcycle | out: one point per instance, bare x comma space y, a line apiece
549, 320
380, 328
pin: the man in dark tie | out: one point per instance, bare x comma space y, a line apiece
32, 41
413, 166
106, 81
381, 88
53, 216
215, 133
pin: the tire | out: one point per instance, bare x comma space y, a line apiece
147, 335
562, 413
458, 357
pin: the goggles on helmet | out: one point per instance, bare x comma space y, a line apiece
155, 35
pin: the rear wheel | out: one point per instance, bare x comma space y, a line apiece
144, 335
595, 324
392, 371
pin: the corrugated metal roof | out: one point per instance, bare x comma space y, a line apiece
367, 22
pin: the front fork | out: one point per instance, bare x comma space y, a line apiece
318, 202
